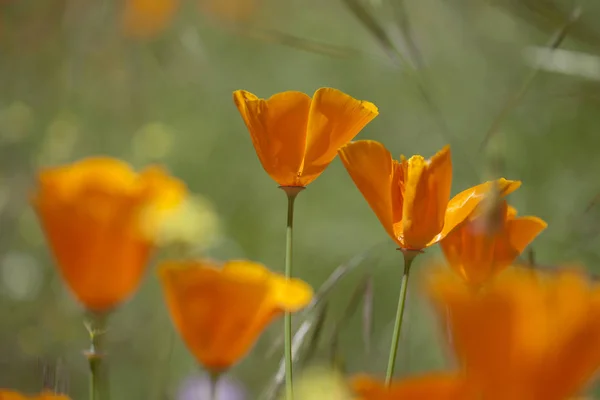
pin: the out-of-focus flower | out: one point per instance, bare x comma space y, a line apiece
230, 11
296, 137
60, 140
194, 224
6, 394
220, 312
411, 197
523, 335
91, 212
319, 383
434, 386
147, 18
198, 388
16, 122
153, 142
477, 250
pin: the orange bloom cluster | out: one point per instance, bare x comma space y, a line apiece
517, 334
524, 335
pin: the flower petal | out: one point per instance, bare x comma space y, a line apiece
522, 231
277, 127
438, 386
370, 166
334, 119
427, 186
463, 204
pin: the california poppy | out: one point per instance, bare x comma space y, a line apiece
98, 215
411, 197
220, 312
434, 386
296, 137
147, 18
477, 251
13, 395
523, 335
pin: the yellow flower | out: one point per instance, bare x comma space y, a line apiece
91, 212
296, 137
411, 197
524, 335
477, 251
6, 394
221, 312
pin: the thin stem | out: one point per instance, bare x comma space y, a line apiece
291, 192
409, 256
96, 327
214, 381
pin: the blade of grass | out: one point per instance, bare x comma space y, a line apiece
516, 98
298, 339
367, 315
357, 295
330, 283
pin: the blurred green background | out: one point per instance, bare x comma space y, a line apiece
87, 77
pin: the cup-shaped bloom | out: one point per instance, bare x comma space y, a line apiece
296, 137
434, 386
487, 243
411, 197
97, 215
6, 394
221, 311
523, 335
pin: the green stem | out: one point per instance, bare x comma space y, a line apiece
409, 256
291, 192
98, 375
214, 380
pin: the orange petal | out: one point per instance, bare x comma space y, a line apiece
438, 386
334, 119
277, 127
463, 204
92, 213
522, 231
427, 185
370, 166
220, 312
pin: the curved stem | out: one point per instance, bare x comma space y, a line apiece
214, 380
291, 192
409, 256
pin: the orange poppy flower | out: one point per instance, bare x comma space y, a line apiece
92, 212
6, 394
477, 251
524, 335
296, 137
220, 312
147, 18
411, 197
434, 386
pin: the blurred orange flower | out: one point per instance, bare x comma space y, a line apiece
411, 197
296, 137
147, 18
221, 312
92, 212
6, 394
524, 335
477, 249
433, 386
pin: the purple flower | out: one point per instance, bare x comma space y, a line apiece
197, 387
